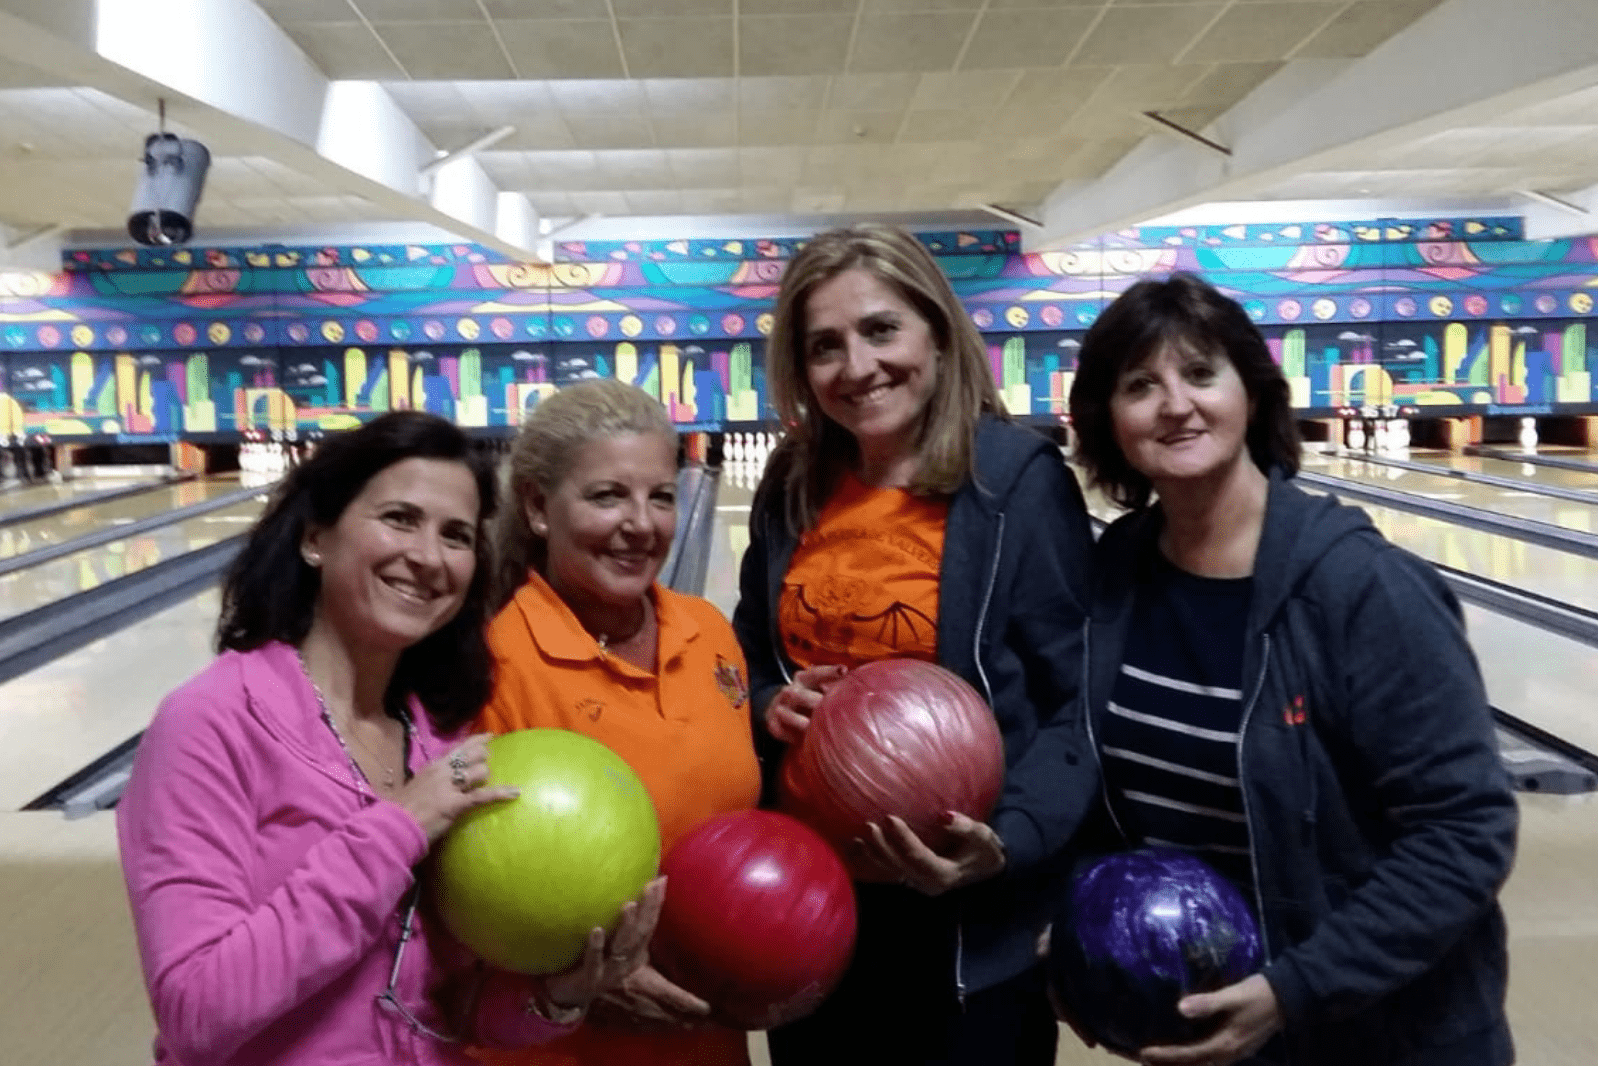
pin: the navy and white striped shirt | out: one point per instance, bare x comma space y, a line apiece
1170, 740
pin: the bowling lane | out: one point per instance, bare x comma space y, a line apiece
58, 718
1572, 579
1569, 514
1554, 477
730, 535
26, 497
1539, 677
36, 586
25, 537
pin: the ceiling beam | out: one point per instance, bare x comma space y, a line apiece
1465, 61
35, 249
1571, 214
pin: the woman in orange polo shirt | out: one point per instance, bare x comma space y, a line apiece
586, 640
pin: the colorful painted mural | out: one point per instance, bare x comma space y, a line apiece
1430, 316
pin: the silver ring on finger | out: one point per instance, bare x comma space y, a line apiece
458, 777
458, 762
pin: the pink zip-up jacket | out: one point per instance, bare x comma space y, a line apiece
266, 882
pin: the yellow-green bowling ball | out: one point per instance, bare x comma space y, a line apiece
523, 882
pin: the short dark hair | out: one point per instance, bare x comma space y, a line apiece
1181, 309
270, 592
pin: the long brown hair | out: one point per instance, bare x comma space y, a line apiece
816, 450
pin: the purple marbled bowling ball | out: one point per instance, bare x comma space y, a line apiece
1135, 933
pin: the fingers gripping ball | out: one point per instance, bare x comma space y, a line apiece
759, 920
896, 737
522, 883
1139, 930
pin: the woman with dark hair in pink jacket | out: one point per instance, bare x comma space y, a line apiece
282, 800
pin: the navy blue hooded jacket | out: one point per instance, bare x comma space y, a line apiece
1381, 821
1012, 596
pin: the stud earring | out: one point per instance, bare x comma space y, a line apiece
312, 559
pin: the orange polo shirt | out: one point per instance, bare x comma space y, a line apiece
684, 729
863, 584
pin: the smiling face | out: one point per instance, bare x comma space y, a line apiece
397, 564
608, 525
1181, 415
871, 361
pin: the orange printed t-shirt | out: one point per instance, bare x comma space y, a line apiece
685, 730
863, 584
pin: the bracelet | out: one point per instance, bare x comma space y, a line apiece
540, 1005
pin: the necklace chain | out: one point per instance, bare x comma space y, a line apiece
605, 640
327, 716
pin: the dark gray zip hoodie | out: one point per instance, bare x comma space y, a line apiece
1382, 823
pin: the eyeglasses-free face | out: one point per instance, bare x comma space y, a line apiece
1181, 415
871, 361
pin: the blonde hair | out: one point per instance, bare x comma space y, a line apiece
816, 449
547, 447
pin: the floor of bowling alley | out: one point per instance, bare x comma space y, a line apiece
70, 989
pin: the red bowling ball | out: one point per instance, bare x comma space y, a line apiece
895, 737
759, 918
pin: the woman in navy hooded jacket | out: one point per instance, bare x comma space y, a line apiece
1277, 688
906, 516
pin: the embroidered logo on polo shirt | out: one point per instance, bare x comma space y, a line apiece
1294, 713
591, 708
730, 679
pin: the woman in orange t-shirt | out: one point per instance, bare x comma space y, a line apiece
906, 516
586, 640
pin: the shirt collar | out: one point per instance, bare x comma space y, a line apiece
558, 633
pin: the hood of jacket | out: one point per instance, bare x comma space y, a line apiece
1301, 531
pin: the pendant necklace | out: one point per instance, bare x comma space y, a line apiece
327, 716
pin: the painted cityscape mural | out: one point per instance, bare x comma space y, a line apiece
1443, 316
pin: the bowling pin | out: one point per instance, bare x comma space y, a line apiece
1529, 435
1355, 435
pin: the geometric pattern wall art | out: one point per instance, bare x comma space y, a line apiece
1438, 316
